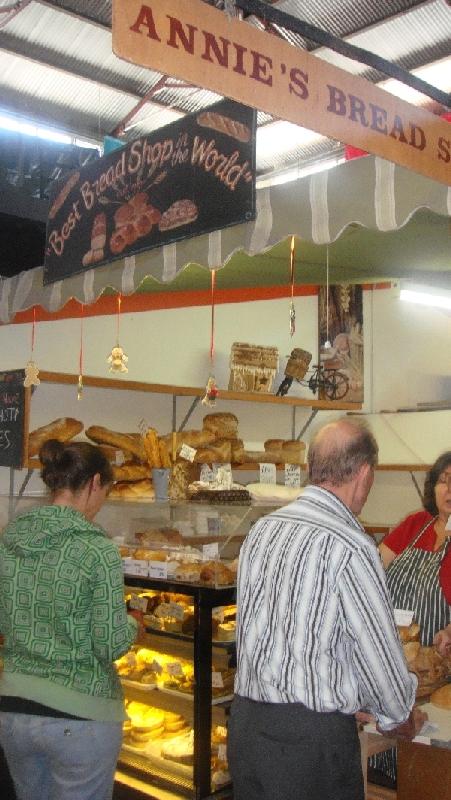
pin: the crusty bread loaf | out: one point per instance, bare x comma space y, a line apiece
262, 457
123, 441
166, 536
274, 444
183, 473
219, 452
293, 452
62, 429
237, 447
130, 472
216, 572
442, 697
132, 490
224, 425
192, 438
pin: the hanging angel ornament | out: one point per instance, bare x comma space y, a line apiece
117, 359
211, 392
32, 369
31, 374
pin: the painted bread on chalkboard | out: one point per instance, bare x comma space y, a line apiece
222, 124
182, 212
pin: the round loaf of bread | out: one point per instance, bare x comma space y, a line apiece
274, 444
224, 425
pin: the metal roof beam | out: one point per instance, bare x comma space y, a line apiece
83, 17
273, 15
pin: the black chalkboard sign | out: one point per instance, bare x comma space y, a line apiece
188, 178
14, 410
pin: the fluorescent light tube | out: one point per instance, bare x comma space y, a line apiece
426, 298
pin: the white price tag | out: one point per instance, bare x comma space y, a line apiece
174, 668
158, 569
222, 752
216, 680
175, 610
207, 473
187, 452
292, 475
268, 473
210, 551
119, 458
138, 603
403, 616
136, 566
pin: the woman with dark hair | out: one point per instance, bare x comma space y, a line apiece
417, 556
64, 620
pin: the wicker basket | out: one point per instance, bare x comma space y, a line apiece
298, 363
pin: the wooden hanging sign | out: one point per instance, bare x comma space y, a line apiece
202, 45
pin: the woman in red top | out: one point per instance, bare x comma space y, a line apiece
417, 557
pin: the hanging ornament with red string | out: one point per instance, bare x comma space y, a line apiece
211, 390
80, 359
32, 369
117, 359
292, 308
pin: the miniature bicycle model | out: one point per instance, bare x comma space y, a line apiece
327, 381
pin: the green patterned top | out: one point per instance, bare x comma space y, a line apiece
62, 613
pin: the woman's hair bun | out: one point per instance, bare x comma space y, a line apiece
51, 452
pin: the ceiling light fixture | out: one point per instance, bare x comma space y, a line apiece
426, 296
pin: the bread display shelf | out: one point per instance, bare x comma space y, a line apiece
190, 391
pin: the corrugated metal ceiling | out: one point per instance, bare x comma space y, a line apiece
57, 65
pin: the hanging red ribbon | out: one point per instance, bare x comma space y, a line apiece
119, 302
212, 334
292, 309
80, 359
33, 327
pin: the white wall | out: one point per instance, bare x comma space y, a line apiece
407, 360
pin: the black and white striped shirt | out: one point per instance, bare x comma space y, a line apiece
315, 621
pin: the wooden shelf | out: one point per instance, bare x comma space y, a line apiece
191, 391
380, 467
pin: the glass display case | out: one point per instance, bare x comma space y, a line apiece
178, 679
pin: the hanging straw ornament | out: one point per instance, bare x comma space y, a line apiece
211, 390
292, 308
80, 359
327, 344
32, 369
117, 358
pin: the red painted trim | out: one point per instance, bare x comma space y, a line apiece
148, 301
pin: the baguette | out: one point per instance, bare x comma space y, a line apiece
122, 441
62, 429
130, 490
151, 446
130, 472
191, 438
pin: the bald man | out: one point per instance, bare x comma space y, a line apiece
316, 636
